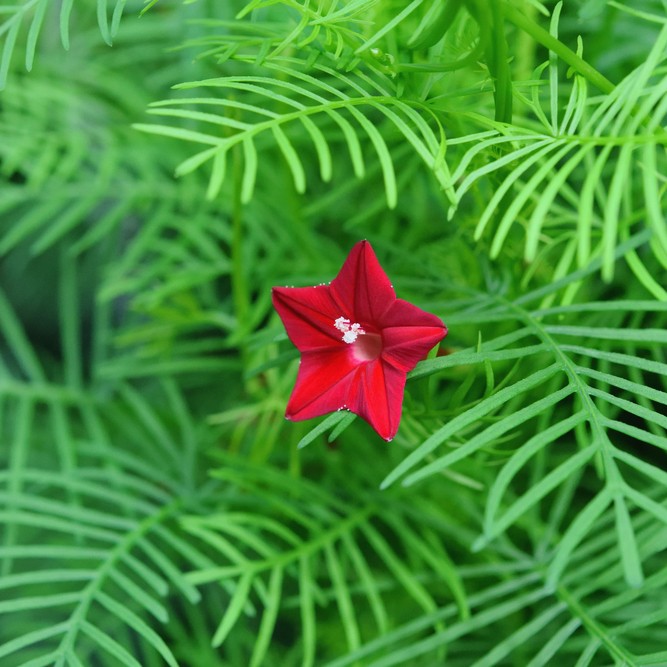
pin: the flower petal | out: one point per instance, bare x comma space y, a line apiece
377, 396
309, 315
323, 383
361, 287
332, 380
408, 333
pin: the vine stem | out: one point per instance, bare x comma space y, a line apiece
239, 283
540, 35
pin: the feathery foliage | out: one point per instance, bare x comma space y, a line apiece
164, 164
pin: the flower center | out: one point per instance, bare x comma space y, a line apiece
366, 346
350, 331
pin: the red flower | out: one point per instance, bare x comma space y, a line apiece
357, 343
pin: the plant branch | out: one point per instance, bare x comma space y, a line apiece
540, 35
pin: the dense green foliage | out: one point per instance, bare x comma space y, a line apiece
162, 166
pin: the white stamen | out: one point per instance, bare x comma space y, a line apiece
342, 324
350, 336
350, 331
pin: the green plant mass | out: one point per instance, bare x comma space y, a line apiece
164, 165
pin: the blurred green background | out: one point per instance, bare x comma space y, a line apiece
164, 165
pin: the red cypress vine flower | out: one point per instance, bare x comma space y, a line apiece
357, 343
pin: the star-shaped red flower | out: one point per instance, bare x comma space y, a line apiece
357, 343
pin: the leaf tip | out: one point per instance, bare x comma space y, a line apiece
479, 543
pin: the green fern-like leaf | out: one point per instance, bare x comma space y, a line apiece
567, 165
22, 25
610, 383
341, 555
343, 101
572, 625
98, 526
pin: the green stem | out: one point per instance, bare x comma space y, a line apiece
498, 63
239, 286
524, 50
594, 628
541, 36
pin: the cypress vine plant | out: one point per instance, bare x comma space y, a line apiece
165, 165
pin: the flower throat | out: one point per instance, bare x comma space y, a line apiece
366, 346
